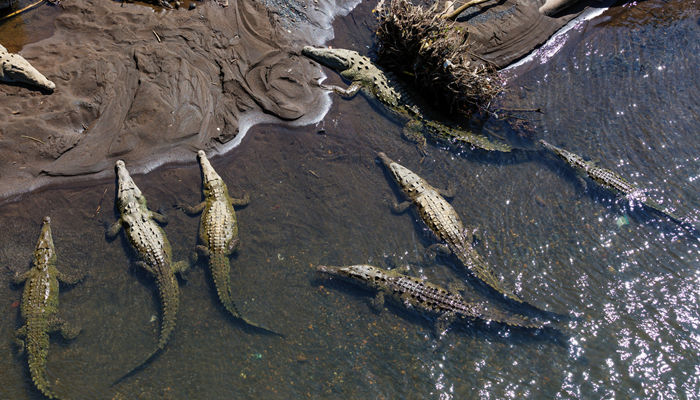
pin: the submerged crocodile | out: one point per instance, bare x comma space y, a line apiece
372, 81
444, 222
425, 297
218, 232
152, 249
40, 308
613, 182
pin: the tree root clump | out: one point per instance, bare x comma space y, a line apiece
420, 43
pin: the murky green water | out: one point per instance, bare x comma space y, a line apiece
622, 90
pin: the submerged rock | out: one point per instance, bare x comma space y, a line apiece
15, 69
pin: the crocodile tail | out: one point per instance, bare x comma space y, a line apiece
168, 291
491, 314
37, 365
516, 320
138, 366
220, 268
473, 261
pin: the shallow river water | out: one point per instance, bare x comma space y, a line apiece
622, 89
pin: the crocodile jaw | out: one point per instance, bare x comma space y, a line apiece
126, 188
45, 251
367, 274
338, 59
404, 176
209, 175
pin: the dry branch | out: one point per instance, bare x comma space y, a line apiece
463, 7
418, 42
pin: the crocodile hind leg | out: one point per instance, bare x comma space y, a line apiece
67, 331
181, 268
20, 337
243, 201
232, 246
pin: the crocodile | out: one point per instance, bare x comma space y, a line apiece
152, 249
444, 222
613, 182
218, 233
39, 308
425, 297
367, 77
16, 69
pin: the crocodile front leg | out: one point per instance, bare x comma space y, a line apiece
347, 93
70, 279
114, 229
68, 332
158, 217
439, 248
193, 210
19, 279
399, 208
145, 266
243, 201
449, 192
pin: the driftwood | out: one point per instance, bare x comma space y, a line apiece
418, 42
21, 10
454, 14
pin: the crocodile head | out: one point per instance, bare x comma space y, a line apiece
338, 59
45, 251
14, 68
127, 191
210, 179
407, 179
569, 157
367, 274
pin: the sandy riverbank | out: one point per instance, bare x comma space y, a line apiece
152, 87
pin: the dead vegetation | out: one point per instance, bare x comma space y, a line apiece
434, 52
